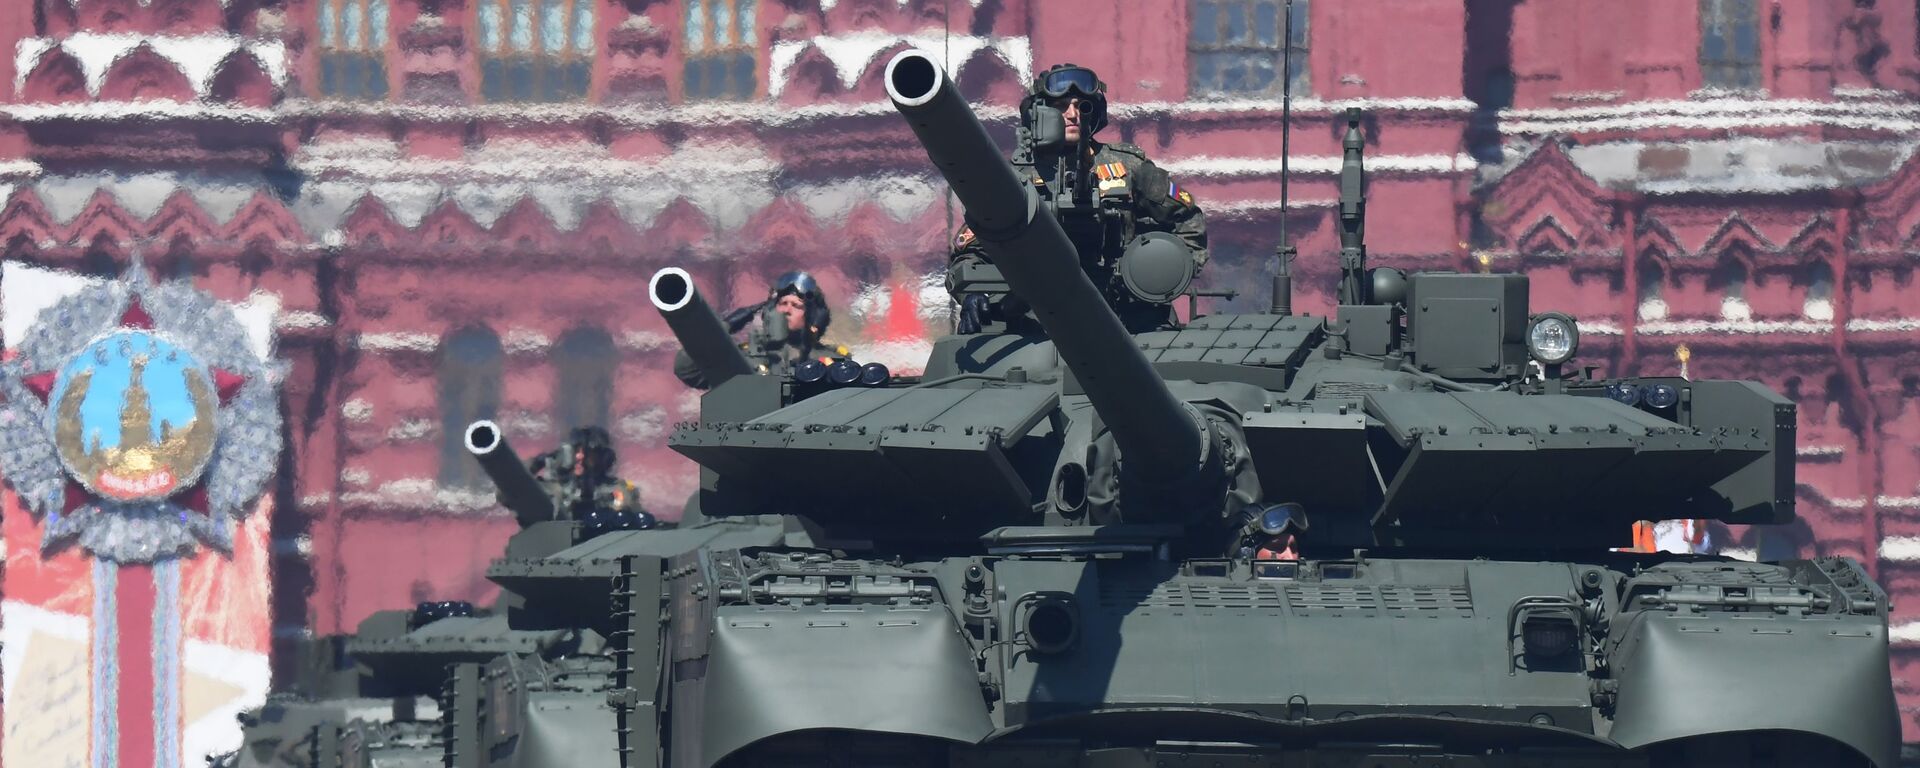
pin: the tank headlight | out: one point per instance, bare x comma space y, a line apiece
1552, 338
843, 372
1546, 636
1624, 393
809, 371
1660, 395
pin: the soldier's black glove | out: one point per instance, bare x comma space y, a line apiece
973, 309
740, 316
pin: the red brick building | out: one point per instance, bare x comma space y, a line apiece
456, 205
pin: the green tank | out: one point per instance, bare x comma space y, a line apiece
1384, 538
373, 699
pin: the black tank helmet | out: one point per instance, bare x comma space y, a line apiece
803, 285
1063, 79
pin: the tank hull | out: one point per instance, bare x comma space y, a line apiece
1133, 660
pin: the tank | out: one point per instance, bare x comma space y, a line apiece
1064, 548
373, 699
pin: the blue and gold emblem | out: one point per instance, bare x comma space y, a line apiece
133, 416
137, 419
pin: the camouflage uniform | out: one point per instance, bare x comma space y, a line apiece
795, 347
1116, 173
1121, 171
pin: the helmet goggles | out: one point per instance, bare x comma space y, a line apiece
1061, 82
796, 282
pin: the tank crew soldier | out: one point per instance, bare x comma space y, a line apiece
794, 321
1103, 193
578, 476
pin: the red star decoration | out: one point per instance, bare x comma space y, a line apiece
228, 384
136, 316
76, 497
194, 498
40, 384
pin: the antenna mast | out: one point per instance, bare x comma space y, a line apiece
1283, 274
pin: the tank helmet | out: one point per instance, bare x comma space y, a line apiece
1062, 80
595, 443
802, 284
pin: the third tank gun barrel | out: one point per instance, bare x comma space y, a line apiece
701, 332
516, 487
1160, 436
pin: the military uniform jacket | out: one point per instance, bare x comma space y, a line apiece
825, 351
1119, 172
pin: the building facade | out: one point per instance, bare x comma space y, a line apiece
454, 206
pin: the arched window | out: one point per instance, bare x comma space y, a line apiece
722, 46
1652, 291
1730, 44
585, 361
1730, 281
469, 388
1819, 305
535, 50
353, 49
1235, 47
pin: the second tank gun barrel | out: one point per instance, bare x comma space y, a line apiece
1161, 438
517, 489
700, 330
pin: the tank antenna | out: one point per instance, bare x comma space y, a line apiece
1284, 253
1353, 213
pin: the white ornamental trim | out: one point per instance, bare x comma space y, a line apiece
647, 341
297, 320
197, 56
1904, 634
852, 54
137, 110
410, 430
522, 340
1737, 114
356, 410
1749, 327
1820, 450
705, 113
425, 494
1204, 166
1883, 502
398, 342
525, 424
1900, 548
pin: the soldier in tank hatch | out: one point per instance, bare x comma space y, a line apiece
794, 321
578, 476
1103, 194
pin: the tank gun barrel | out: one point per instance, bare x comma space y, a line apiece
1163, 439
517, 489
700, 330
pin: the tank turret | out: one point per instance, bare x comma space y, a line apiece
513, 484
1166, 443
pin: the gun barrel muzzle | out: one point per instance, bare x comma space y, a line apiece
701, 332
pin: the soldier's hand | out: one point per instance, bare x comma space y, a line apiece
973, 309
